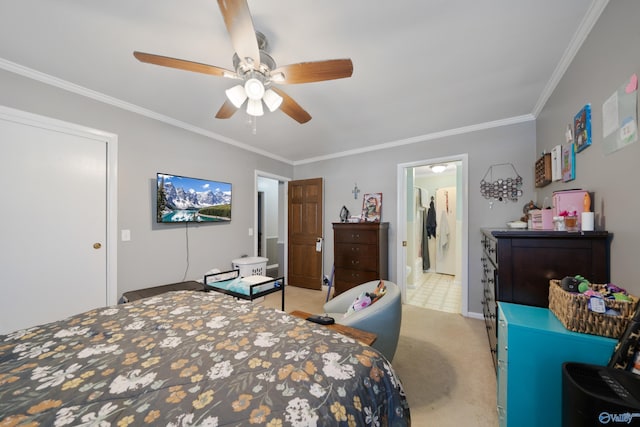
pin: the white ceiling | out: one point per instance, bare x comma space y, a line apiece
421, 68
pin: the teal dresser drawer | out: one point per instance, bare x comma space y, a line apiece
532, 346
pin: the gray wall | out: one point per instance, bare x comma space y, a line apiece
605, 61
376, 172
157, 253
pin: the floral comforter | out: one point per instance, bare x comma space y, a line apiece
193, 358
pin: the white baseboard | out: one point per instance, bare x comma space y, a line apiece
473, 315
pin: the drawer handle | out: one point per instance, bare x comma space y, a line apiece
355, 249
355, 262
355, 236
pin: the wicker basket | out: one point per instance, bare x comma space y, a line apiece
572, 310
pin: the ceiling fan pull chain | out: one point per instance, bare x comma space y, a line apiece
254, 125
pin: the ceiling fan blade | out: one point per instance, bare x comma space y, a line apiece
317, 71
237, 18
292, 108
182, 64
226, 111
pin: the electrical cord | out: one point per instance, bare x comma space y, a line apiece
186, 230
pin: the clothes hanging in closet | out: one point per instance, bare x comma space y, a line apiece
431, 220
424, 241
443, 242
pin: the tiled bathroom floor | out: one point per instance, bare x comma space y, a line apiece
436, 292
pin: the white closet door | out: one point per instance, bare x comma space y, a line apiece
52, 223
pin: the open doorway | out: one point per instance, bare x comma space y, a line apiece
433, 242
271, 222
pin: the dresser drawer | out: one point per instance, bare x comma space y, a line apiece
358, 257
490, 247
369, 237
358, 263
356, 250
353, 276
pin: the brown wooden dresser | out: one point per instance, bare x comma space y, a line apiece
360, 253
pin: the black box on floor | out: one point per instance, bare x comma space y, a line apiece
599, 396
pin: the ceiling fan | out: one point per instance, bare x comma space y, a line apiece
256, 68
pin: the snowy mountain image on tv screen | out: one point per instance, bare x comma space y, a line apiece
183, 199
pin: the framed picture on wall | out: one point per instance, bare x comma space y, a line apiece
556, 163
372, 207
568, 162
582, 128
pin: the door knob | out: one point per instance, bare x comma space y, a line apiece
97, 246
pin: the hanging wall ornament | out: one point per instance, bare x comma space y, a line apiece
502, 189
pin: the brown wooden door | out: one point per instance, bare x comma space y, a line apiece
305, 228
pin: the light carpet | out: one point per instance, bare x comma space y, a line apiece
443, 360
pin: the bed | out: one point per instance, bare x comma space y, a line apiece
194, 358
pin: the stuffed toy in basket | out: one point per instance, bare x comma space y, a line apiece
597, 309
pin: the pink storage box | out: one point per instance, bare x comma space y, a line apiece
541, 219
570, 200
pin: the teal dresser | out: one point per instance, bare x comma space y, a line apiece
532, 345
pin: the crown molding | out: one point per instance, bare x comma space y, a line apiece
101, 97
423, 138
98, 96
589, 20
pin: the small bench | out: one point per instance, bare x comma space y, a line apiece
157, 290
364, 337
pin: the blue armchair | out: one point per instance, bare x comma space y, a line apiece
383, 318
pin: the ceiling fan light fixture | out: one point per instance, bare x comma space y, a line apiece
272, 100
438, 168
254, 107
254, 89
236, 95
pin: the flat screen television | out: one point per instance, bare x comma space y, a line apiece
183, 199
